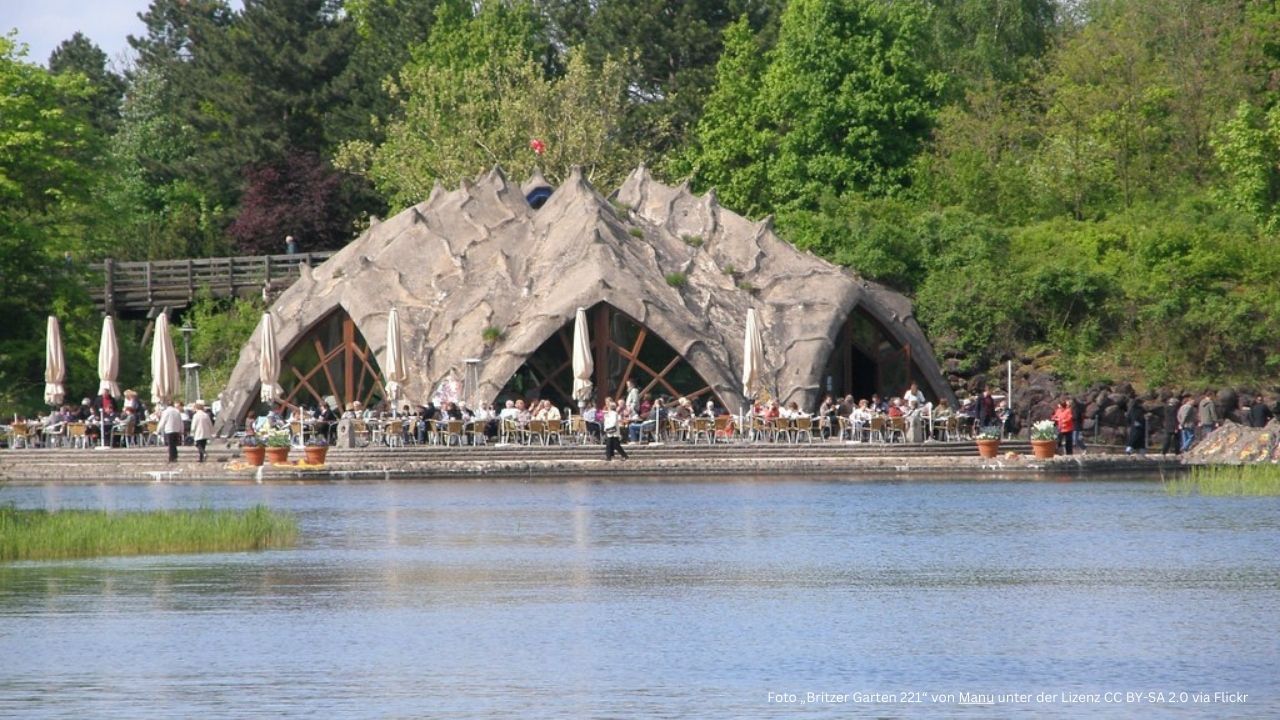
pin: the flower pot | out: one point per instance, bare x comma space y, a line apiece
315, 455
278, 455
1044, 449
988, 448
254, 455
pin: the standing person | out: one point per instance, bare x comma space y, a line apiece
290, 245
1136, 417
986, 410
201, 428
1077, 420
1259, 413
1172, 431
633, 397
1065, 420
612, 431
1187, 422
170, 425
1208, 414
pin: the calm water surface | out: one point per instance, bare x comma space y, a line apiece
628, 600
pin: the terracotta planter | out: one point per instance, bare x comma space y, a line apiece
1044, 449
254, 455
315, 455
278, 455
988, 448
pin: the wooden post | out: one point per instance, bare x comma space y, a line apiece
231, 277
151, 293
600, 352
109, 291
191, 281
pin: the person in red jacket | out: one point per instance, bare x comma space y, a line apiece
1066, 424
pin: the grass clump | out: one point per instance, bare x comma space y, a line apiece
492, 334
45, 535
692, 240
636, 232
1227, 480
677, 279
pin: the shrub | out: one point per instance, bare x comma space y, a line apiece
677, 279
493, 334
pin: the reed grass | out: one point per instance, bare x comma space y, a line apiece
44, 535
1227, 480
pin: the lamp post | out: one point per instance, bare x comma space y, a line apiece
190, 390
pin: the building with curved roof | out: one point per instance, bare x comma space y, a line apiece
487, 286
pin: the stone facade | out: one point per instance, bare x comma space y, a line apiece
475, 272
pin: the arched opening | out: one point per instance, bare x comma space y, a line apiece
331, 361
622, 349
867, 359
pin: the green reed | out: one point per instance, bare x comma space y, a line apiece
1258, 480
42, 535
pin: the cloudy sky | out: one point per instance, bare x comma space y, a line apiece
44, 24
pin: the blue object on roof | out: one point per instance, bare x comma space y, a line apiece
538, 196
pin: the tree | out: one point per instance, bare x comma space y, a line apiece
46, 155
478, 93
732, 140
1248, 150
676, 45
102, 106
979, 41
300, 195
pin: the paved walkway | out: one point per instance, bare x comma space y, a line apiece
552, 464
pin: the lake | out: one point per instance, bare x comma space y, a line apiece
720, 599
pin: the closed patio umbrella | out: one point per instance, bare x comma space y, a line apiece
752, 358
269, 360
55, 366
397, 374
582, 363
164, 363
108, 359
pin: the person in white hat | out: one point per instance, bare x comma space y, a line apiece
201, 428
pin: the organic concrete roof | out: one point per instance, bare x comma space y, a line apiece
479, 257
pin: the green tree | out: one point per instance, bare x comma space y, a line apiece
1248, 150
477, 94
46, 154
79, 54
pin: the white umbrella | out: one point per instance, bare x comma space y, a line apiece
269, 360
582, 364
55, 366
164, 363
393, 365
108, 359
752, 357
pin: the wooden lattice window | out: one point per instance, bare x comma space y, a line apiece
868, 359
622, 349
332, 360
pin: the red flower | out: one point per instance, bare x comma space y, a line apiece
537, 147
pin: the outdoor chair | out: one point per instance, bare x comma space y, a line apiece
876, 429
535, 430
724, 428
551, 431
897, 429
781, 429
454, 432
578, 430
152, 434
393, 433
702, 427
360, 431
508, 431
77, 435
475, 433
803, 427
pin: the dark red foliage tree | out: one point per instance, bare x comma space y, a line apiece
302, 196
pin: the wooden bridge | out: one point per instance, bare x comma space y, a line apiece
141, 288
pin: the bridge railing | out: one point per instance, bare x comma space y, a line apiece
132, 286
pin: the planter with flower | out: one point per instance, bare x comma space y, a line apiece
1044, 439
253, 450
316, 450
988, 444
278, 446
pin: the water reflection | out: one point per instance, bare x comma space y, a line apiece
668, 600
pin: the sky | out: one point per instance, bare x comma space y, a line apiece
44, 24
